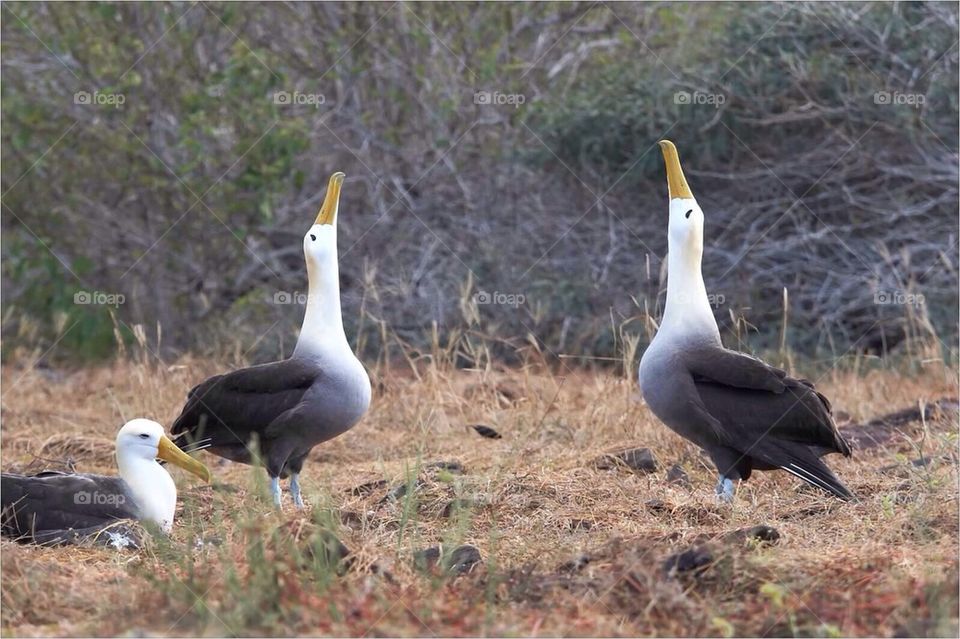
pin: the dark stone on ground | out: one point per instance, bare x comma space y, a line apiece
456, 505
365, 489
575, 565
453, 466
400, 491
463, 559
694, 559
486, 431
427, 558
655, 505
460, 561
762, 534
677, 475
640, 460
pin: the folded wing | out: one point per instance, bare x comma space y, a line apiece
771, 419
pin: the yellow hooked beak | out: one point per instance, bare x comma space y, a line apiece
328, 212
168, 451
675, 180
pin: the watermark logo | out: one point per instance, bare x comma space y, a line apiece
116, 100
699, 97
502, 299
99, 298
897, 98
496, 98
898, 298
286, 98
291, 297
96, 498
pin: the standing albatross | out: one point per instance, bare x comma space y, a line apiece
290, 406
745, 414
55, 508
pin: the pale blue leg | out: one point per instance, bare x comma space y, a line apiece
275, 490
295, 490
725, 489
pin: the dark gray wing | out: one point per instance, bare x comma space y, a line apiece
771, 419
229, 409
45, 507
730, 368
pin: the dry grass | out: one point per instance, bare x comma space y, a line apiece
568, 549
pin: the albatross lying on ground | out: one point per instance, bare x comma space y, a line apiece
57, 508
290, 406
745, 414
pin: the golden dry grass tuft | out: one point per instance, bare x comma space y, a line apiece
567, 548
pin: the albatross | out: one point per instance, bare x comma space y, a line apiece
274, 414
746, 415
56, 508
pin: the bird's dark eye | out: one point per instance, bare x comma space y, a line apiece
688, 214
313, 237
144, 436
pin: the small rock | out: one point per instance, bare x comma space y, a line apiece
453, 467
655, 505
365, 489
427, 558
486, 431
400, 491
457, 505
575, 565
691, 560
677, 475
762, 534
463, 559
637, 459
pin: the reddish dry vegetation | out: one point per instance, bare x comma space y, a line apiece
567, 546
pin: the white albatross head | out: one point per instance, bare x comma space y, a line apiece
320, 241
685, 233
140, 443
322, 328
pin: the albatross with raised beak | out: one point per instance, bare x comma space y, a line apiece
290, 406
745, 414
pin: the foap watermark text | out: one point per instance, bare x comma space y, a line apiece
502, 299
496, 98
96, 498
99, 98
98, 298
699, 97
897, 298
897, 98
287, 98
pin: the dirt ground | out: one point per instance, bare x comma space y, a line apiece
569, 542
